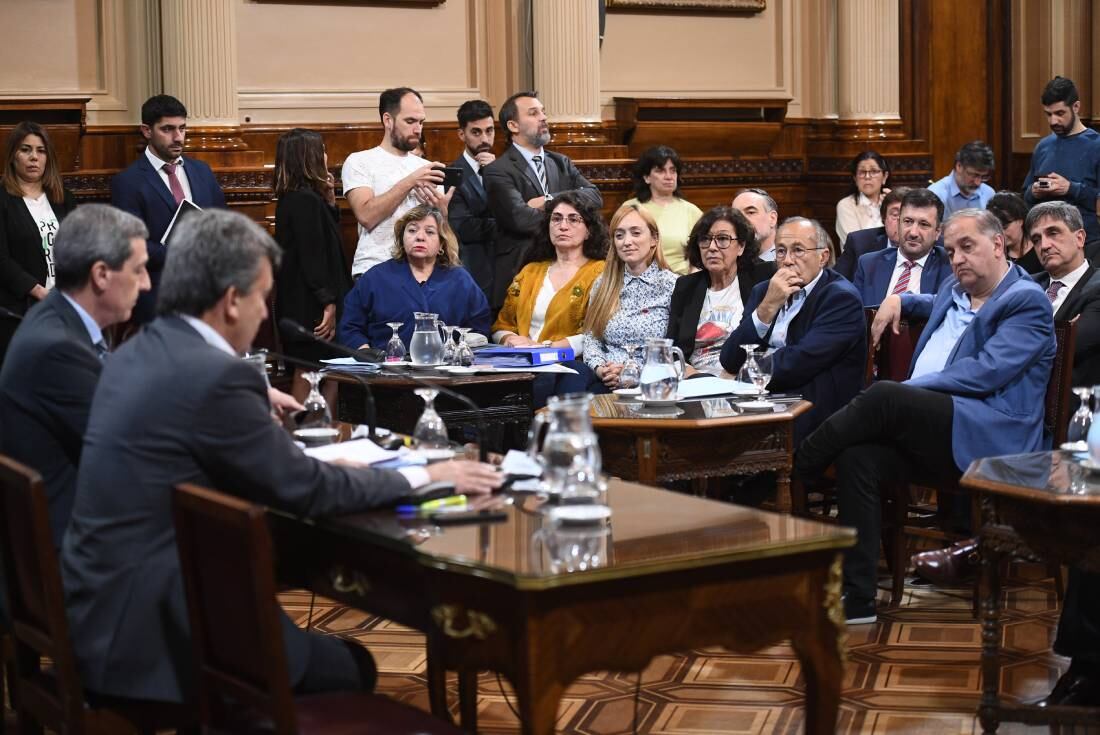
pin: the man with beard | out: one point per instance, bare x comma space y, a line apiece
521, 181
469, 212
153, 186
761, 211
1066, 163
965, 186
383, 183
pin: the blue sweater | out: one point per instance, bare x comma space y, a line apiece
389, 293
1077, 158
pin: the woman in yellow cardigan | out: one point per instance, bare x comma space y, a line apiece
548, 299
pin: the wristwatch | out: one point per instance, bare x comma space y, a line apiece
547, 343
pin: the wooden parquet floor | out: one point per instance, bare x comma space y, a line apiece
914, 672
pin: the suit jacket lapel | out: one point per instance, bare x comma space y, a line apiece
469, 176
885, 271
520, 164
553, 175
1071, 303
153, 180
695, 304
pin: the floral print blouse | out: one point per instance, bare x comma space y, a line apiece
643, 313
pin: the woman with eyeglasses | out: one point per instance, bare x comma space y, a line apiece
547, 300
707, 305
656, 180
859, 209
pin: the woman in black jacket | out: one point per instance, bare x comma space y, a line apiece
314, 276
32, 205
709, 303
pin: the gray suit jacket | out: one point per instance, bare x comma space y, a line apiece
171, 409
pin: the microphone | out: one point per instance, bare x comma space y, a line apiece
9, 314
372, 415
482, 451
368, 355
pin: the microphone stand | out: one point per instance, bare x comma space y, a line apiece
292, 326
372, 415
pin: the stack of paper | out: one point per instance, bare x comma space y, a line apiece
351, 365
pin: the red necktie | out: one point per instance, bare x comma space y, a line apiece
903, 281
174, 182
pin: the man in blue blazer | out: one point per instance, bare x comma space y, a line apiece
917, 264
469, 213
152, 187
872, 239
976, 387
814, 320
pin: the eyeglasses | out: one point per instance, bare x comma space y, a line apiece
868, 173
572, 219
797, 252
723, 241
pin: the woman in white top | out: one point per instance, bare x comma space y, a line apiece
32, 205
859, 209
547, 301
656, 180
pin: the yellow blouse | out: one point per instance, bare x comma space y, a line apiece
564, 315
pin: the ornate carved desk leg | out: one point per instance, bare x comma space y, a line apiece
820, 648
991, 636
537, 697
783, 491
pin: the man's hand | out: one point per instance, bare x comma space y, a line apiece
1059, 185
609, 374
536, 203
38, 292
469, 478
429, 175
327, 328
888, 314
782, 285
281, 404
485, 158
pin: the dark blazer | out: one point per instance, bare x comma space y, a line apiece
170, 409
139, 190
875, 270
510, 184
689, 294
473, 222
22, 262
1082, 303
859, 243
825, 351
314, 272
46, 388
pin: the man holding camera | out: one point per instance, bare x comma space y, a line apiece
1066, 164
383, 183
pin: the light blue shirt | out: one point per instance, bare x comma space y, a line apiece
94, 332
768, 256
785, 316
947, 189
933, 358
529, 156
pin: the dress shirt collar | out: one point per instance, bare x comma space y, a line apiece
94, 332
528, 155
954, 191
863, 201
1070, 279
919, 261
156, 162
810, 286
209, 334
648, 276
474, 163
962, 298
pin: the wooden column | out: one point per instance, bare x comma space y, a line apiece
567, 68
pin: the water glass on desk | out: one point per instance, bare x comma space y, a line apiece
1081, 420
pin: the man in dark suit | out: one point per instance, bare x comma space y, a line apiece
976, 387
177, 404
814, 320
48, 379
152, 187
917, 264
469, 212
861, 242
521, 181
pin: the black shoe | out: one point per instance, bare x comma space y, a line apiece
859, 612
1073, 690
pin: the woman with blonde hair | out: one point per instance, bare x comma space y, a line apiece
425, 274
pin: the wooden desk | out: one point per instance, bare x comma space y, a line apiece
710, 438
505, 401
678, 573
1042, 505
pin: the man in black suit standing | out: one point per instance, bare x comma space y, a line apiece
52, 368
469, 212
521, 181
176, 404
873, 239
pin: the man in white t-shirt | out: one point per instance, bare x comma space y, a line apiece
383, 183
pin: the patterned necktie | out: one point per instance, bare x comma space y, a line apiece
101, 349
174, 182
541, 172
1052, 291
903, 280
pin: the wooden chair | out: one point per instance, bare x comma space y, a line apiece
49, 697
228, 573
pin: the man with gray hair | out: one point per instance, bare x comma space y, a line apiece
56, 356
762, 212
975, 389
176, 404
812, 317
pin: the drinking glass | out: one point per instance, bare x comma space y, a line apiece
631, 372
464, 356
395, 348
316, 414
760, 370
449, 345
430, 432
1081, 421
744, 375
258, 360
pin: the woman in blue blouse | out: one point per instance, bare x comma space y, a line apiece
424, 275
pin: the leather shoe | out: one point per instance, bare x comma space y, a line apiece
1073, 690
951, 566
